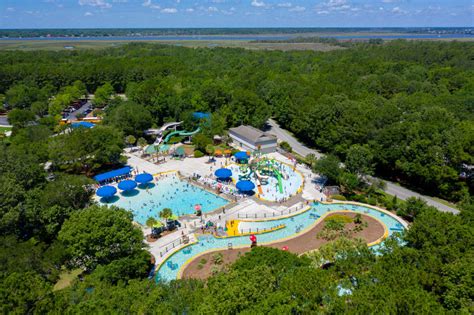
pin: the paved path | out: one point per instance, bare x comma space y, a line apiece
392, 188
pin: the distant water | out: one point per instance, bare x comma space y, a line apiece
244, 37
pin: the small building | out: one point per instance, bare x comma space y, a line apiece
250, 139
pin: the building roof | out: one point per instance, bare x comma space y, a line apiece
119, 172
251, 133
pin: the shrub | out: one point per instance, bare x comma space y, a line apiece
200, 266
218, 258
338, 197
358, 218
203, 261
175, 139
198, 154
286, 146
214, 270
339, 218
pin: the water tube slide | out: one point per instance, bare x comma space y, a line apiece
182, 133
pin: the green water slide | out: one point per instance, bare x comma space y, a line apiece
182, 133
280, 184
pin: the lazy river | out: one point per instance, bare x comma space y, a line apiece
294, 225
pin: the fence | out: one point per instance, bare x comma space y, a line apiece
168, 247
275, 214
260, 230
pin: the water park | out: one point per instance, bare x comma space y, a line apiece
193, 208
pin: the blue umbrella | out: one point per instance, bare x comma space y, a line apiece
241, 155
127, 184
106, 191
245, 185
223, 173
143, 178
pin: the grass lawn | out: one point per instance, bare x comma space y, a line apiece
66, 278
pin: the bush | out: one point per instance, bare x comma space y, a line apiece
203, 261
175, 139
338, 197
218, 258
286, 146
340, 218
198, 154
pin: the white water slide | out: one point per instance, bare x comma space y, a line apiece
159, 132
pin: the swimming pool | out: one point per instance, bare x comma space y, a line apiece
291, 181
293, 225
171, 192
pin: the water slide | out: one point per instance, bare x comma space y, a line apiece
159, 132
280, 185
182, 133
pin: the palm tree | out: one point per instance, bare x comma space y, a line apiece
150, 222
166, 213
210, 150
142, 143
130, 140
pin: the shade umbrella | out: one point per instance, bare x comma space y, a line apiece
127, 184
245, 185
241, 155
143, 178
197, 207
223, 173
218, 152
106, 191
227, 151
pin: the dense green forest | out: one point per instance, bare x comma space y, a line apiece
409, 105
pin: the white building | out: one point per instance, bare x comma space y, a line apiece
250, 139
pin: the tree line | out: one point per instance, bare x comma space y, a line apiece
409, 103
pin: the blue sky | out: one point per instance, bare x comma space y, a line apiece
234, 13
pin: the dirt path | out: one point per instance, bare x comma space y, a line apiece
298, 245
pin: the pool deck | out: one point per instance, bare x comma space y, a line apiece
244, 208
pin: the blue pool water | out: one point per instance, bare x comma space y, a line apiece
169, 192
293, 225
290, 183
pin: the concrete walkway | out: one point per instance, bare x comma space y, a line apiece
392, 188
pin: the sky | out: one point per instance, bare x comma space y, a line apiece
234, 13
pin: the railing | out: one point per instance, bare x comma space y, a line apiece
260, 230
275, 214
171, 245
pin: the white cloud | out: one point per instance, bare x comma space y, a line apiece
189, 10
96, 3
212, 9
119, 1
398, 10
169, 10
10, 9
297, 9
88, 14
322, 12
285, 5
217, 1
150, 5
258, 4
